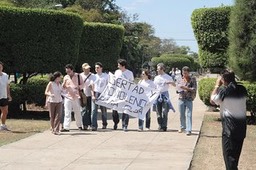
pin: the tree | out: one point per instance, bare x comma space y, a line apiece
242, 49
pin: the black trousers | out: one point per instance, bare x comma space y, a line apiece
115, 117
125, 118
87, 112
231, 148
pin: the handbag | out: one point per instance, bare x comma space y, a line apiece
83, 97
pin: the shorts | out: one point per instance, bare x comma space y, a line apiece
3, 102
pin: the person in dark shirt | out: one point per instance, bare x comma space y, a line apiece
232, 100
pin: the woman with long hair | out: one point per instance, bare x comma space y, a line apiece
54, 101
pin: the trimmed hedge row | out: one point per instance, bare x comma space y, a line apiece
43, 41
101, 42
210, 26
33, 40
173, 60
206, 86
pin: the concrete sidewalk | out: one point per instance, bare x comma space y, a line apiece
108, 149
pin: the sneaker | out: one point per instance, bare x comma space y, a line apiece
64, 130
180, 130
147, 129
125, 129
188, 133
85, 127
4, 128
56, 133
140, 130
94, 129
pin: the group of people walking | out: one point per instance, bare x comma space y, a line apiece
93, 85
230, 95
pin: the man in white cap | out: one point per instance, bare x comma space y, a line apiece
87, 78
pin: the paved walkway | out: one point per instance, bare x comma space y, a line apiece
108, 149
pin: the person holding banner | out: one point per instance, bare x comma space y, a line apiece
147, 82
98, 85
163, 103
87, 77
127, 74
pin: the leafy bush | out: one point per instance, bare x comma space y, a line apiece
211, 60
101, 42
251, 99
32, 92
36, 88
173, 60
210, 26
206, 86
34, 40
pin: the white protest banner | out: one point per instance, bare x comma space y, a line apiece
127, 97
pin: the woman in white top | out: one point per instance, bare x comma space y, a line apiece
54, 101
147, 82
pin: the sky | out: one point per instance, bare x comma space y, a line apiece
170, 18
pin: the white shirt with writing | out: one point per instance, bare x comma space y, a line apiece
127, 74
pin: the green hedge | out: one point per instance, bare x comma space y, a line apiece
210, 26
101, 42
211, 60
32, 92
36, 87
242, 37
206, 86
173, 60
34, 40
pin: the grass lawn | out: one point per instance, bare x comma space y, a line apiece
22, 128
208, 152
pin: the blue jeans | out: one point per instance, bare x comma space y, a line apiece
185, 108
162, 109
86, 112
148, 118
125, 120
95, 113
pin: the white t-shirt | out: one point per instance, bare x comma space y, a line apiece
87, 83
147, 83
127, 74
100, 82
161, 82
3, 85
